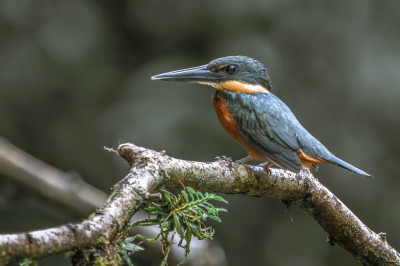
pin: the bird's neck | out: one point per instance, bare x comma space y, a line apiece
237, 86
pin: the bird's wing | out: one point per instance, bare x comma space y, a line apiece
269, 129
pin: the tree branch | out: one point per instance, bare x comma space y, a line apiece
80, 197
65, 188
150, 169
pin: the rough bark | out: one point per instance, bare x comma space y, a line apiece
150, 169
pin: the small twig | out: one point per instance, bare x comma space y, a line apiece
164, 262
110, 150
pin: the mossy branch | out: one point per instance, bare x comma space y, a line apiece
150, 169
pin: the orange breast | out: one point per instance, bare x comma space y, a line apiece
228, 122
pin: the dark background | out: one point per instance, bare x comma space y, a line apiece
75, 76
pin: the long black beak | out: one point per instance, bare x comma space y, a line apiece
194, 74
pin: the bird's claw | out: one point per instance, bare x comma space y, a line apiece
244, 160
266, 167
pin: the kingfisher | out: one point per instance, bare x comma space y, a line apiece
252, 115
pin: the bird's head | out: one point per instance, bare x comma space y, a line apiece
233, 73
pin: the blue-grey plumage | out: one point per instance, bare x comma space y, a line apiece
255, 117
268, 125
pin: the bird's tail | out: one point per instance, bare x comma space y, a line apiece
336, 161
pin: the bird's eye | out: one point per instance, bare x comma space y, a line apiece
231, 69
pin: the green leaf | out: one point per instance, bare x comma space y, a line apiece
194, 229
199, 195
193, 210
178, 226
216, 218
191, 192
211, 210
166, 196
205, 206
186, 196
125, 257
132, 247
129, 239
219, 199
169, 224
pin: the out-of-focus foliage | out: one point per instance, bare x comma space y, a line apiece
28, 262
75, 76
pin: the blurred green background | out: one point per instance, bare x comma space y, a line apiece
75, 76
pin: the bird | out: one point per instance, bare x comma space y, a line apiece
256, 118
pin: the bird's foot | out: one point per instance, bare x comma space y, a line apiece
244, 160
266, 166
